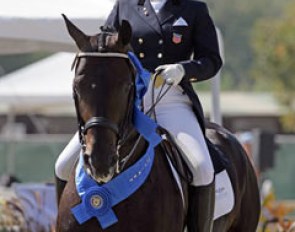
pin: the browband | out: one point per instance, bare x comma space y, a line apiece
101, 54
98, 54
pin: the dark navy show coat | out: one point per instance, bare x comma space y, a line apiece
182, 32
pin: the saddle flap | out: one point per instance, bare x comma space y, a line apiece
175, 155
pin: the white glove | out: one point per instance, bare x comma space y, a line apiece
172, 73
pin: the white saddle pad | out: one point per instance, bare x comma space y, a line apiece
224, 195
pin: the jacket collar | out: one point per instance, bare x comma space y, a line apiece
169, 10
141, 2
146, 11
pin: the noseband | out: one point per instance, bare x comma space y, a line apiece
100, 121
96, 121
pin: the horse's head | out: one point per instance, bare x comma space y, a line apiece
103, 91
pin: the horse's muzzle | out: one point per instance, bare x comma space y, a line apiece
100, 175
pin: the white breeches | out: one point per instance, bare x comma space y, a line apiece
174, 112
67, 158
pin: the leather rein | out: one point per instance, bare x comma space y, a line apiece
98, 121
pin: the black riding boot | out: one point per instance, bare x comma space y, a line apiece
59, 186
201, 208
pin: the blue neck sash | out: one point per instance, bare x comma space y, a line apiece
98, 200
142, 79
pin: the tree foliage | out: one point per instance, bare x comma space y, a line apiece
236, 20
273, 41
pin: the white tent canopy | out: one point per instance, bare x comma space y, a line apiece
34, 25
42, 87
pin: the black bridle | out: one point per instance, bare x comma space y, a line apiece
98, 121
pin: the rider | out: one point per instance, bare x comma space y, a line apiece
178, 39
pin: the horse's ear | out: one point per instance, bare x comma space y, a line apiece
125, 32
79, 37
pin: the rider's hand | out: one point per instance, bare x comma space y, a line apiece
172, 73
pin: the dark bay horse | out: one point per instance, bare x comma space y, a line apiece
104, 90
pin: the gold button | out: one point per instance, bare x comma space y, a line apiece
161, 41
140, 40
145, 11
160, 55
141, 55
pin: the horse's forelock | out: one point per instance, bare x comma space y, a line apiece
107, 39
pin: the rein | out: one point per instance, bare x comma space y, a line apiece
104, 122
98, 200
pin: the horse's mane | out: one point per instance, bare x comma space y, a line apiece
106, 38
